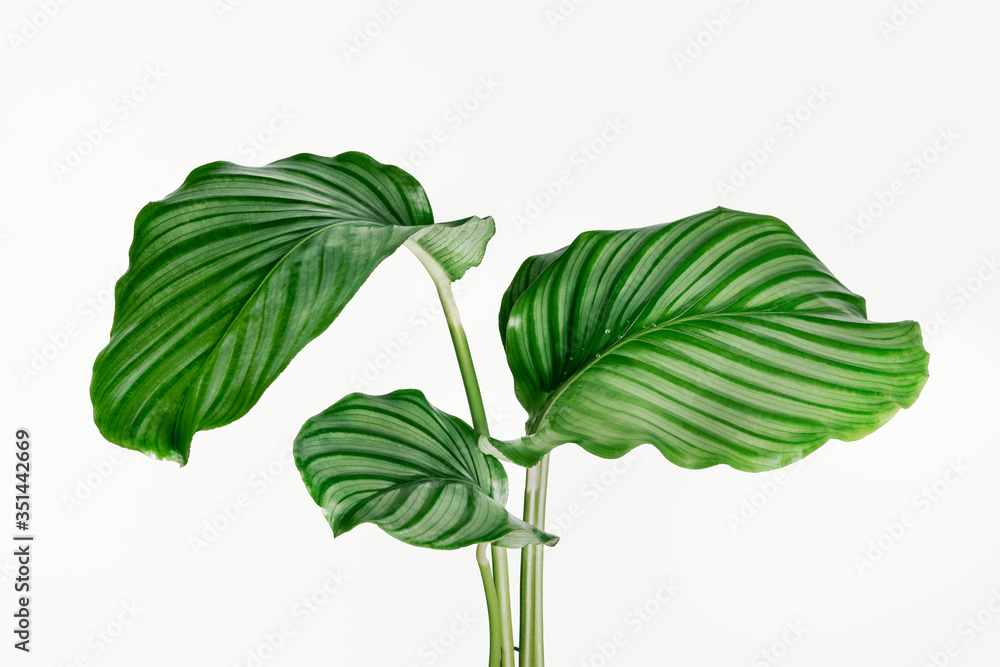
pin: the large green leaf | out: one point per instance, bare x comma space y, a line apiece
719, 338
234, 273
416, 472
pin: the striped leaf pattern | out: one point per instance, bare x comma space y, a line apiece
719, 338
416, 472
231, 275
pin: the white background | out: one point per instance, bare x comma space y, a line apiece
114, 528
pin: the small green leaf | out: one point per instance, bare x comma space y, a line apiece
231, 275
719, 338
416, 472
455, 253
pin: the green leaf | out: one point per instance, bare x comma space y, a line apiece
719, 338
416, 472
454, 253
231, 275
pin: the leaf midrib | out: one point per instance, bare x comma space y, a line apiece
375, 495
536, 422
250, 298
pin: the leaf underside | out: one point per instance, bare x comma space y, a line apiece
231, 275
719, 338
416, 472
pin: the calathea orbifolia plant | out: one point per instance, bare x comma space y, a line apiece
719, 338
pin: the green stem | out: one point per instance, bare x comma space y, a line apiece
492, 606
532, 637
501, 583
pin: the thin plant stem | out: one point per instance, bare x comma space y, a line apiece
531, 644
492, 606
501, 581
